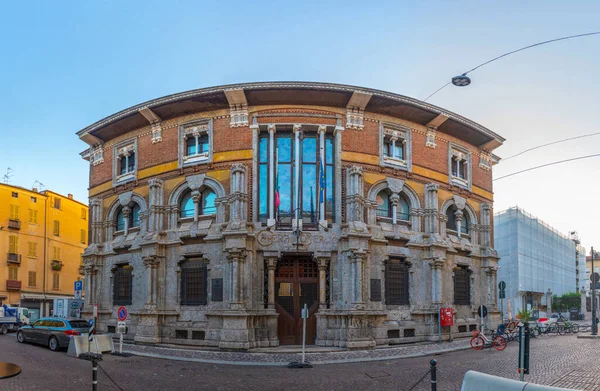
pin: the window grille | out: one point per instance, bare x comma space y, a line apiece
462, 286
194, 283
123, 284
396, 282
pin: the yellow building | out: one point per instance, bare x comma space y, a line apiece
43, 235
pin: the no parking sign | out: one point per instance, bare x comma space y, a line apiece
122, 313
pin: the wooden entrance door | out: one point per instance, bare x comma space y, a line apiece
296, 284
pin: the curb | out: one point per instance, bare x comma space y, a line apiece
274, 363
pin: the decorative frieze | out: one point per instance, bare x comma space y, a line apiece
239, 115
430, 137
355, 118
485, 161
97, 155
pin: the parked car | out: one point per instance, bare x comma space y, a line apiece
52, 332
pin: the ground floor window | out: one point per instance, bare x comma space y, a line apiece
396, 282
194, 281
462, 286
123, 285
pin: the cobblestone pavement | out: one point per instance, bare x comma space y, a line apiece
557, 360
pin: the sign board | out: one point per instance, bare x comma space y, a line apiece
59, 308
502, 294
122, 313
78, 288
482, 311
305, 313
95, 310
502, 285
446, 317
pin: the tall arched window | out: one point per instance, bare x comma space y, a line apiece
451, 224
385, 209
206, 204
464, 225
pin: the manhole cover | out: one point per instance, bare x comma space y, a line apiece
374, 375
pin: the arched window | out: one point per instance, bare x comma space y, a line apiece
452, 224
206, 204
134, 217
385, 209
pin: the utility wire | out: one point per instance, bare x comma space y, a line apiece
515, 51
111, 379
546, 165
552, 143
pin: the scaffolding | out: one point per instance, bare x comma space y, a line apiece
534, 257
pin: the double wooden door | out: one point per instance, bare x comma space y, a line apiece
296, 284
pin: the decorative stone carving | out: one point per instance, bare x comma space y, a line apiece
460, 202
395, 185
239, 115
431, 208
195, 182
156, 132
485, 161
355, 118
97, 155
238, 199
355, 200
430, 137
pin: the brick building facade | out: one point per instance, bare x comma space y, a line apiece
217, 214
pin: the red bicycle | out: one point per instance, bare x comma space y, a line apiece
480, 341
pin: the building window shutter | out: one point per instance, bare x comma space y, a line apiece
13, 273
83, 214
56, 228
14, 212
83, 236
32, 278
56, 281
13, 244
32, 250
56, 253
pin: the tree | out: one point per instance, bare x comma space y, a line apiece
567, 301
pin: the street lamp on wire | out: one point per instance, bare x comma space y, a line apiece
463, 80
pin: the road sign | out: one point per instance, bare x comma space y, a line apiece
502, 294
78, 289
95, 311
482, 311
502, 285
122, 313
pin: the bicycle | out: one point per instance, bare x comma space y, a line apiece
510, 325
480, 341
571, 327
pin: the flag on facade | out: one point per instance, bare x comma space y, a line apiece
321, 186
277, 199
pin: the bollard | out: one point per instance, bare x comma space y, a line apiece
94, 358
433, 364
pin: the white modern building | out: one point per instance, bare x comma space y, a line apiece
534, 259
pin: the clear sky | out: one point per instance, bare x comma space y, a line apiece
67, 64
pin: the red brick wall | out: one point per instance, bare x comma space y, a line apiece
163, 152
226, 138
362, 141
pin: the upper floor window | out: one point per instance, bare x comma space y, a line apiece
56, 228
83, 213
125, 162
129, 214
57, 202
395, 146
385, 207
33, 199
452, 223
13, 244
83, 236
459, 162
195, 143
310, 192
33, 216
462, 286
396, 282
14, 212
206, 203
15, 194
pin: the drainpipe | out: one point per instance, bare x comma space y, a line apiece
45, 250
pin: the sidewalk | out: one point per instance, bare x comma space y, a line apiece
283, 355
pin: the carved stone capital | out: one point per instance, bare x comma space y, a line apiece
151, 261
236, 254
271, 262
323, 263
358, 255
155, 182
322, 129
436, 263
432, 187
271, 128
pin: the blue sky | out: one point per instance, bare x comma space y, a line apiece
67, 64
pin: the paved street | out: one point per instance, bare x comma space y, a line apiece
555, 360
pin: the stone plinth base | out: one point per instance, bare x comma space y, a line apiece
242, 330
350, 329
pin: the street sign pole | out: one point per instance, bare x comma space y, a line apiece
302, 364
521, 352
594, 282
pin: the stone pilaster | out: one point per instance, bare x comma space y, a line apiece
431, 208
96, 220
151, 263
485, 228
436, 266
358, 260
238, 199
491, 274
156, 205
235, 265
323, 264
355, 200
271, 264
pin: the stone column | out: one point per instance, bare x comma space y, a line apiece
126, 213
395, 200
458, 215
431, 208
271, 263
90, 285
238, 193
196, 199
354, 194
323, 263
297, 133
415, 218
272, 164
443, 223
436, 265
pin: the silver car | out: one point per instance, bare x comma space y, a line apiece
54, 332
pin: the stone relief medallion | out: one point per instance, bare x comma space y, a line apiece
265, 238
304, 239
